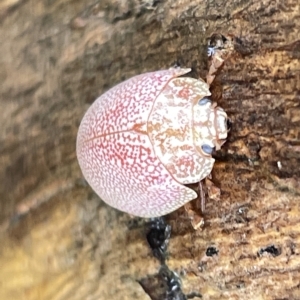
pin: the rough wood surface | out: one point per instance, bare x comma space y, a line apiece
58, 241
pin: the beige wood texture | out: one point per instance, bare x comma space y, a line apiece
58, 240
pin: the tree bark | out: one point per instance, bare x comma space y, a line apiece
58, 240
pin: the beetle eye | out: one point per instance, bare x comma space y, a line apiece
204, 101
229, 124
207, 149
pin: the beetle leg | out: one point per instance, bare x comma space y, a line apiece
218, 49
213, 191
194, 211
202, 196
216, 62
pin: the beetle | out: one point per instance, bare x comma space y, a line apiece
142, 141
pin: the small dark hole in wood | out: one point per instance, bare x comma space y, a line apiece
211, 251
273, 250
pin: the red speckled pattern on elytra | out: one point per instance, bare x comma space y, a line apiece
117, 160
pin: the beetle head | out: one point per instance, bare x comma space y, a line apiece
210, 126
